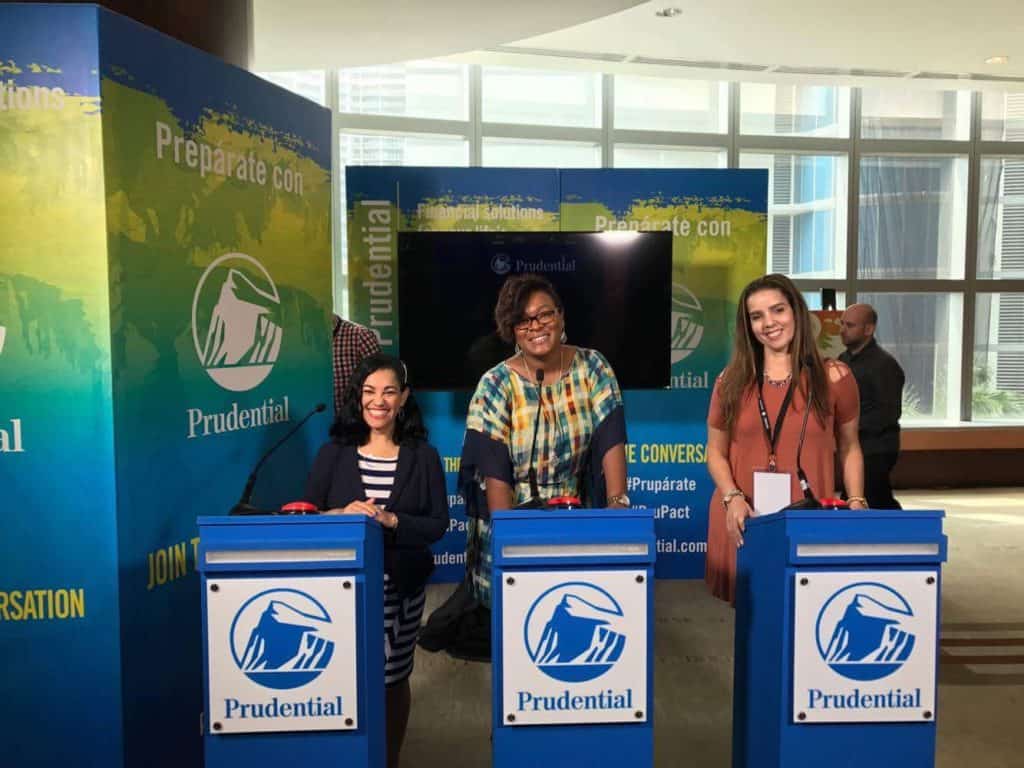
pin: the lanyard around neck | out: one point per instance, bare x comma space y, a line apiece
772, 435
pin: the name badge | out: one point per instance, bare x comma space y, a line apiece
772, 492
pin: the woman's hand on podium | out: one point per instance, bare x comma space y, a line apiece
368, 508
737, 510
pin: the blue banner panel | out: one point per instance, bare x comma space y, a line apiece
718, 222
218, 192
382, 202
58, 573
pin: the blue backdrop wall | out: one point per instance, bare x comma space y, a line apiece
718, 220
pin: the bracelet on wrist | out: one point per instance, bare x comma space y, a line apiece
730, 495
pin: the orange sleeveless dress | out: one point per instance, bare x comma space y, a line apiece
748, 452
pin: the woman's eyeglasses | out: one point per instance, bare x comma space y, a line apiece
542, 318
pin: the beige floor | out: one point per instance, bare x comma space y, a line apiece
981, 674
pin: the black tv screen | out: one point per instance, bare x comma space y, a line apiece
616, 288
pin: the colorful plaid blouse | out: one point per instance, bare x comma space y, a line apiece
504, 409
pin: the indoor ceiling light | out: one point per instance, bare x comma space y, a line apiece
997, 60
668, 13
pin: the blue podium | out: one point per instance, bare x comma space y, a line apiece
293, 647
837, 619
572, 637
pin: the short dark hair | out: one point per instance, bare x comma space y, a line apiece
350, 428
872, 315
515, 293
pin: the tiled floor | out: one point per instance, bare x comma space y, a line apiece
981, 674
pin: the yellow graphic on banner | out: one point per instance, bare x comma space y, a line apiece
714, 249
481, 213
171, 563
53, 281
42, 604
226, 184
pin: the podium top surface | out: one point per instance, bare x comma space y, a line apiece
205, 521
637, 513
849, 515
845, 537
524, 538
255, 543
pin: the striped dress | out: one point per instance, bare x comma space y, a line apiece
402, 617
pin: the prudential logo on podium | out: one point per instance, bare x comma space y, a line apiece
279, 639
575, 632
862, 633
235, 322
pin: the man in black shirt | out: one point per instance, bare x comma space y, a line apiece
880, 380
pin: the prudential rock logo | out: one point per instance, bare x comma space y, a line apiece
575, 632
861, 633
235, 322
687, 322
280, 638
501, 264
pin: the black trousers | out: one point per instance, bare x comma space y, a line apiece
877, 486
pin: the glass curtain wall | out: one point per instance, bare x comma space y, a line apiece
911, 199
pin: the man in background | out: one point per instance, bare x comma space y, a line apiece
352, 342
880, 380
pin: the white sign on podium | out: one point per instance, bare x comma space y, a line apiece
574, 647
864, 646
281, 654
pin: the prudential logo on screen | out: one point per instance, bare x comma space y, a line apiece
501, 264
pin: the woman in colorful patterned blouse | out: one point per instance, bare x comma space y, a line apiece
581, 434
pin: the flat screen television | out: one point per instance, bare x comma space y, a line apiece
616, 288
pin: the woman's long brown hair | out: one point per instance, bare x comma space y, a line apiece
747, 362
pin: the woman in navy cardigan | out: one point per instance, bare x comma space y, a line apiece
380, 464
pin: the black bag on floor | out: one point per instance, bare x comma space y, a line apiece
461, 625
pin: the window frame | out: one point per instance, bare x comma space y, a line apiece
733, 142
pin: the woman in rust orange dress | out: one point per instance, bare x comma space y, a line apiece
775, 363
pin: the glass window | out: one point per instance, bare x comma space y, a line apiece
425, 89
541, 97
923, 331
913, 217
312, 83
531, 153
807, 197
998, 381
393, 149
1002, 116
814, 302
903, 113
671, 104
647, 156
768, 109
1001, 218
403, 149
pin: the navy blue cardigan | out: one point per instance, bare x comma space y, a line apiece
418, 497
